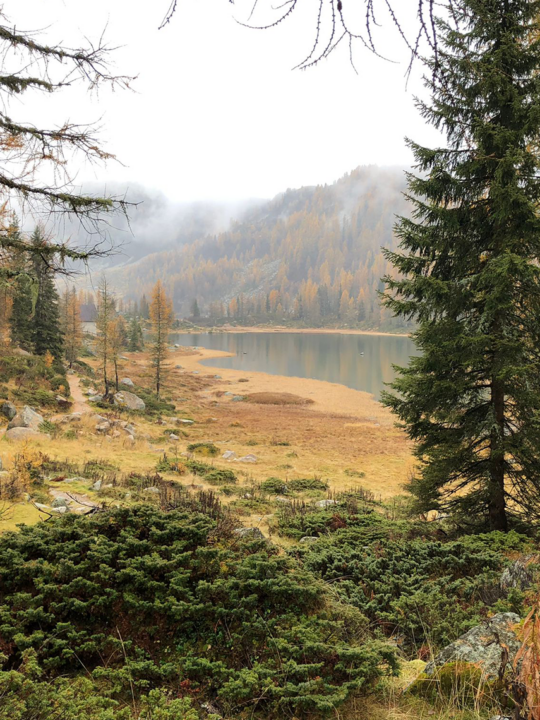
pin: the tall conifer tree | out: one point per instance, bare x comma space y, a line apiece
470, 270
46, 327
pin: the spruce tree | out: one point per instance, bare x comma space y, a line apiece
22, 297
46, 327
469, 271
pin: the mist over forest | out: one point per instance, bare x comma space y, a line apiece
310, 255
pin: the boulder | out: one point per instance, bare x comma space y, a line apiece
326, 503
182, 421
153, 489
519, 574
172, 436
228, 455
127, 381
96, 398
129, 400
8, 410
60, 510
62, 401
26, 418
59, 502
247, 459
482, 646
97, 485
238, 398
308, 539
103, 426
251, 532
23, 433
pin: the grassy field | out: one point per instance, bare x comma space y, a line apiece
296, 428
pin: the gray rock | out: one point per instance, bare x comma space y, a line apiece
217, 377
130, 438
308, 539
127, 381
182, 421
228, 393
249, 532
97, 485
129, 400
326, 503
283, 500
228, 455
130, 429
153, 489
482, 645
519, 574
178, 367
8, 410
59, 502
74, 417
23, 433
26, 418
103, 426
172, 436
247, 459
40, 506
62, 401
60, 510
238, 398
96, 398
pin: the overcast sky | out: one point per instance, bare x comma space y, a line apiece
217, 111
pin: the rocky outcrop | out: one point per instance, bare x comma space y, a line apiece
129, 400
519, 574
250, 532
482, 646
127, 381
26, 418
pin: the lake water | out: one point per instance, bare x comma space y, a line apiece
363, 362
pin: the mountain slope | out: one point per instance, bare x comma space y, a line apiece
311, 255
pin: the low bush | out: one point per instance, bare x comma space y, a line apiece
207, 449
220, 477
305, 484
274, 486
173, 611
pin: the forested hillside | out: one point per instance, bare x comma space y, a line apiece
312, 256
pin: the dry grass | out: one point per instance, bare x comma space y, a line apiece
316, 428
285, 398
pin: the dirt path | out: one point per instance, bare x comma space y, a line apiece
79, 401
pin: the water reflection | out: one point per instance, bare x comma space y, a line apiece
363, 362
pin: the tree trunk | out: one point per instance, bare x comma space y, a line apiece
497, 500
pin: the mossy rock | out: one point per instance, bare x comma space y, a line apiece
461, 681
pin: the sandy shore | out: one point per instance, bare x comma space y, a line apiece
327, 397
306, 331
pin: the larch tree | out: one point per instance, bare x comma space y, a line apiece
470, 271
161, 317
71, 325
30, 152
106, 313
118, 341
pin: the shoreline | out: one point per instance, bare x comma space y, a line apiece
231, 329
327, 397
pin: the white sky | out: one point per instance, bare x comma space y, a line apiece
217, 111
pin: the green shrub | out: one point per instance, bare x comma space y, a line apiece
198, 468
304, 484
219, 477
274, 486
427, 590
173, 605
207, 449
